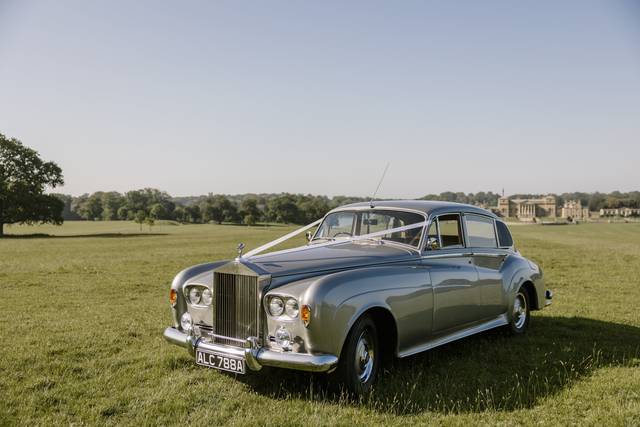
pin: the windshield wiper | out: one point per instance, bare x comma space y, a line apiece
331, 239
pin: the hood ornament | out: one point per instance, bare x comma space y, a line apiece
240, 248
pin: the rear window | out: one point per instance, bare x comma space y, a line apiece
504, 236
480, 231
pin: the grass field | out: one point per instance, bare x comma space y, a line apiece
84, 309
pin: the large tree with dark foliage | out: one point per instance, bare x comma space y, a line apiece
24, 176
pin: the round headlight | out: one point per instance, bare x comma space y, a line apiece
283, 338
207, 297
276, 306
194, 295
291, 308
186, 322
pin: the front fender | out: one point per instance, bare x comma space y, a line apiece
339, 299
181, 279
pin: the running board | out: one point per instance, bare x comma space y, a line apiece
491, 324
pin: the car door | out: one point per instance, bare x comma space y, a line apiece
453, 275
488, 260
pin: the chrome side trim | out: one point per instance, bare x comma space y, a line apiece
449, 255
491, 324
255, 356
488, 254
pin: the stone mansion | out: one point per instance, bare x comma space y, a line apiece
544, 207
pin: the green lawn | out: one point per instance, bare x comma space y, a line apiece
83, 314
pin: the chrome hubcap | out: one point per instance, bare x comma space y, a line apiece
364, 357
519, 310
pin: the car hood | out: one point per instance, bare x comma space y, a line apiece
310, 259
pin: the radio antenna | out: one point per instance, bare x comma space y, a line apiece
379, 184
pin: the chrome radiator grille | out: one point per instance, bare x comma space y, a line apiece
236, 308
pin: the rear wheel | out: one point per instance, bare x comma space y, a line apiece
360, 359
520, 314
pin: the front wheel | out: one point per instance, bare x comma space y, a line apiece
360, 359
520, 314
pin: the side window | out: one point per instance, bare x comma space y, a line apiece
480, 231
504, 235
450, 231
433, 241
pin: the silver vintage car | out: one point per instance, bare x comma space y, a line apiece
376, 281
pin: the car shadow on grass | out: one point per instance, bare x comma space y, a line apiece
489, 371
74, 236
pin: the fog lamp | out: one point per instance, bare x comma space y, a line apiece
186, 323
283, 338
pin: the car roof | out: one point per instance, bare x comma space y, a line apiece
427, 207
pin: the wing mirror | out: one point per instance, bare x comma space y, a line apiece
309, 236
433, 244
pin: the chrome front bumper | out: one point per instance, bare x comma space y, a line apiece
255, 356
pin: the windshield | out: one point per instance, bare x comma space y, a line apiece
358, 223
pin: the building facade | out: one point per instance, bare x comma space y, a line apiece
527, 209
624, 212
573, 209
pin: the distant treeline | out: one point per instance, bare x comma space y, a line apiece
249, 209
154, 204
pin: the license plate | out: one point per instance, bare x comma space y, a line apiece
211, 359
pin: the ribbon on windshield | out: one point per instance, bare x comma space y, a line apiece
330, 243
281, 239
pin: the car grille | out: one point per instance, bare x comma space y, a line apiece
236, 308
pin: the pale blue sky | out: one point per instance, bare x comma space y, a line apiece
316, 97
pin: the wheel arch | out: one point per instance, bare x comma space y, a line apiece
532, 294
386, 329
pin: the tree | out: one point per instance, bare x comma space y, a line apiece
111, 203
249, 220
67, 211
91, 207
140, 217
24, 176
249, 211
150, 222
179, 214
283, 208
218, 208
311, 208
193, 214
123, 213
157, 211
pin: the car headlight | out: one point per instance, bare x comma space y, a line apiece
291, 308
283, 338
195, 293
207, 297
276, 306
186, 323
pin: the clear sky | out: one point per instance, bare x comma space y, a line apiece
315, 97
